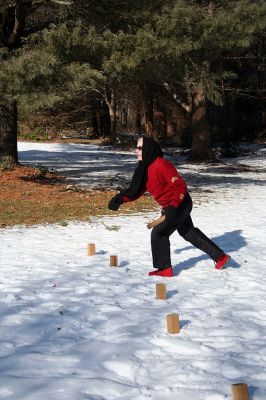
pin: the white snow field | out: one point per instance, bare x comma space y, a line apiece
73, 328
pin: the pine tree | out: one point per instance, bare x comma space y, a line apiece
18, 20
184, 48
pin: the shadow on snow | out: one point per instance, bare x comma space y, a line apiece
229, 241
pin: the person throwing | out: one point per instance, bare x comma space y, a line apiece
160, 178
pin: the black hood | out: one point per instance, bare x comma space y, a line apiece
150, 151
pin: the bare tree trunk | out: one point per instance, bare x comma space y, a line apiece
8, 134
138, 123
146, 108
112, 106
123, 113
211, 8
159, 118
94, 121
111, 102
13, 23
201, 140
133, 123
11, 28
148, 114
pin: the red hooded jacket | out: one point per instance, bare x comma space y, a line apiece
164, 183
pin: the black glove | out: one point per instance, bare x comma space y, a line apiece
171, 214
115, 202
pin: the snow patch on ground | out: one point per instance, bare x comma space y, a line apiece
72, 328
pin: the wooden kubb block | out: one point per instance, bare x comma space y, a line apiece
161, 291
240, 391
113, 261
173, 323
91, 249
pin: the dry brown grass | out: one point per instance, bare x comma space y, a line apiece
28, 198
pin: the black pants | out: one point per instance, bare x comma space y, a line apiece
160, 243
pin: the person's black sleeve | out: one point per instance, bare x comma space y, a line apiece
115, 202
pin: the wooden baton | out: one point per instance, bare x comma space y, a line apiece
113, 261
240, 391
91, 249
156, 222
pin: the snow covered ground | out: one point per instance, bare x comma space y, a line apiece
72, 328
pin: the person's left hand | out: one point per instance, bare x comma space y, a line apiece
115, 202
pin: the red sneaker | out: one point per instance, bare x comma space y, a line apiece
168, 272
220, 263
156, 272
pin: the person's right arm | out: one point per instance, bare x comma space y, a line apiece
127, 199
118, 199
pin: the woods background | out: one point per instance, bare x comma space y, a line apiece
186, 72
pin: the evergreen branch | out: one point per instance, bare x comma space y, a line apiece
97, 91
245, 92
41, 3
62, 2
239, 57
38, 28
185, 107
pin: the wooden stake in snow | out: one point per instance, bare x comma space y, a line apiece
113, 261
91, 249
161, 291
239, 391
173, 323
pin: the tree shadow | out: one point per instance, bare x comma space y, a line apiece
230, 241
83, 164
88, 164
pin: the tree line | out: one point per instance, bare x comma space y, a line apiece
188, 71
